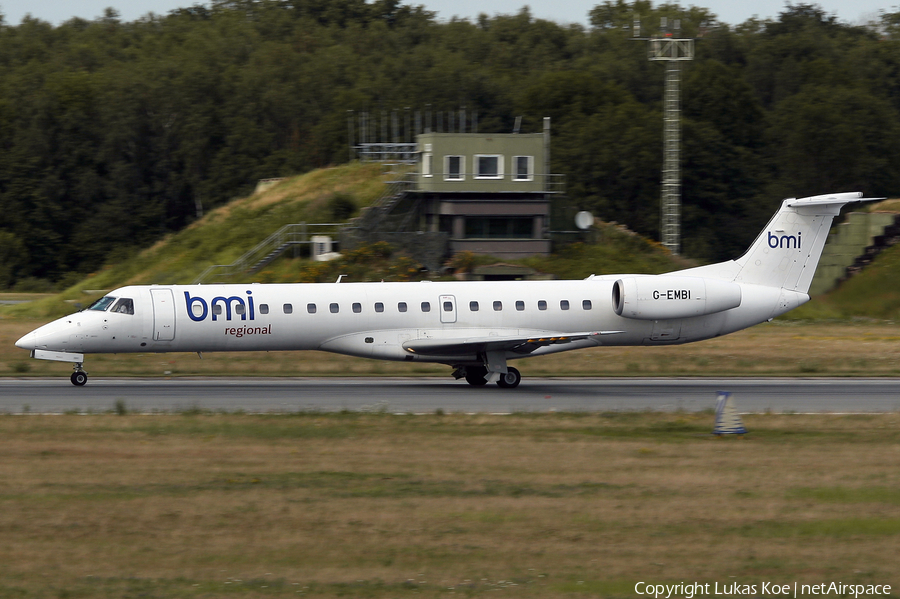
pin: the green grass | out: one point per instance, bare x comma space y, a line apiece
385, 506
845, 529
616, 252
885, 495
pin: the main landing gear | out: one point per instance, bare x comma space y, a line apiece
79, 377
477, 377
511, 379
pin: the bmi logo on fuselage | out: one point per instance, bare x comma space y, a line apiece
241, 307
785, 241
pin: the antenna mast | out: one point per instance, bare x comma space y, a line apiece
673, 51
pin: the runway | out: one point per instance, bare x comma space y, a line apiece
426, 395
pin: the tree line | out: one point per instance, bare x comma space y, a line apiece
114, 133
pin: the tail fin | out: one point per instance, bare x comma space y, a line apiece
787, 251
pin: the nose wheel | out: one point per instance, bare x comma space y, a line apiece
79, 377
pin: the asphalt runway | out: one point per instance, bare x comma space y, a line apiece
426, 395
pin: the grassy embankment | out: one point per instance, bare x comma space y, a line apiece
374, 505
850, 331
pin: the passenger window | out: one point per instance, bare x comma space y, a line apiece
586, 304
520, 305
334, 308
563, 304
542, 305
473, 306
240, 309
379, 307
448, 306
357, 307
217, 309
126, 306
426, 307
401, 307
311, 308
288, 309
498, 306
198, 310
264, 308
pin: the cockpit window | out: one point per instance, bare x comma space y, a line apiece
124, 306
102, 304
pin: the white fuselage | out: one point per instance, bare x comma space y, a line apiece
375, 319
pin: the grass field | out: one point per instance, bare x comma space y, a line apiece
780, 348
376, 505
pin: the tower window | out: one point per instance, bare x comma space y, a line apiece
454, 168
488, 166
523, 168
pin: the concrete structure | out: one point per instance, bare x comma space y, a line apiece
490, 193
846, 242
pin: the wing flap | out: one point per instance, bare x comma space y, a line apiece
476, 345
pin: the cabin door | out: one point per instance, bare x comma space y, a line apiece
448, 309
163, 314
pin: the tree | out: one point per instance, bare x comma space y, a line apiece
834, 138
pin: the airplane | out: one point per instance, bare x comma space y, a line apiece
476, 327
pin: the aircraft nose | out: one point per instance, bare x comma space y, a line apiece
53, 336
28, 341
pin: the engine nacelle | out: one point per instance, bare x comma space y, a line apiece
662, 297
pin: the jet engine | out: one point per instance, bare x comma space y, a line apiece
663, 297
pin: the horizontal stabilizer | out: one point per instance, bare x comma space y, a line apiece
831, 198
476, 345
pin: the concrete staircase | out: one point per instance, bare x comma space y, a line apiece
852, 245
287, 237
292, 235
373, 217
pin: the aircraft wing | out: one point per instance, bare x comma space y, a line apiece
476, 345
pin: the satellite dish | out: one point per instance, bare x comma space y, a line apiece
584, 220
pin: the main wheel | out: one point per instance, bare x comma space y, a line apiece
78, 378
475, 375
511, 379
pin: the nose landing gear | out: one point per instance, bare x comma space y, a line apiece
79, 377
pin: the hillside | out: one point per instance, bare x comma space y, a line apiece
224, 234
326, 195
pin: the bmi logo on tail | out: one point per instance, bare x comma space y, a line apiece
785, 241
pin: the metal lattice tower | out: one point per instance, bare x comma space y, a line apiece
673, 52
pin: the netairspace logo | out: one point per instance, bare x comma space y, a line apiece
694, 589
